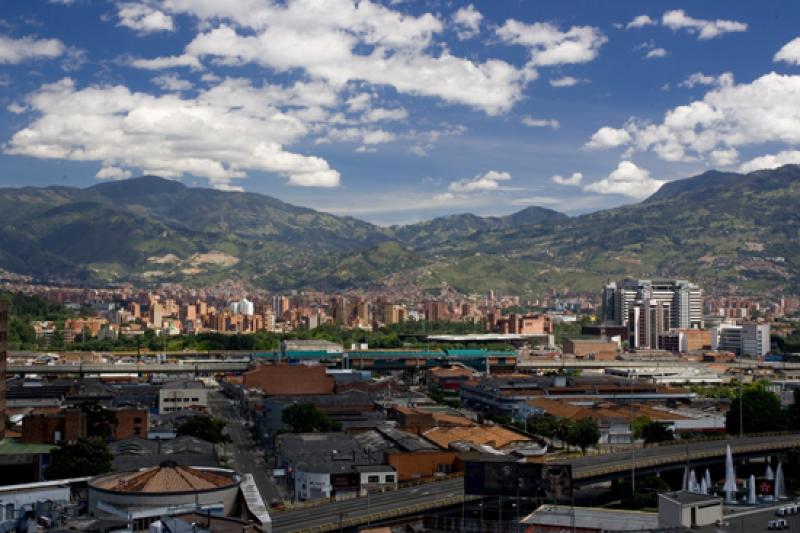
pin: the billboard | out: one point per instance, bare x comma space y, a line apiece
765, 487
512, 479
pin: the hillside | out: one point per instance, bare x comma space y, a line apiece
728, 231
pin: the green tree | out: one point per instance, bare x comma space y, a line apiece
543, 425
563, 429
793, 412
584, 434
761, 412
656, 432
86, 457
206, 428
306, 418
638, 425
100, 422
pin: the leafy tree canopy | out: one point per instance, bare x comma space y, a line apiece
86, 457
306, 418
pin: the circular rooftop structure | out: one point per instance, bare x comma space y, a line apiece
151, 490
166, 478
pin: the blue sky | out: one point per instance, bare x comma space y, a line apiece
399, 111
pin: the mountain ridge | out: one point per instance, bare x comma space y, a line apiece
736, 232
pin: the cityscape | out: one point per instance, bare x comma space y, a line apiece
369, 266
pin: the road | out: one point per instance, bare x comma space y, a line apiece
348, 512
597, 465
247, 456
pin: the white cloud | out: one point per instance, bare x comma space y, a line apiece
640, 22
607, 137
628, 180
480, 183
363, 136
161, 63
698, 78
550, 46
113, 173
380, 114
724, 157
15, 51
468, 22
566, 81
171, 82
16, 108
541, 122
790, 52
786, 157
220, 134
574, 180
677, 19
143, 18
340, 41
656, 53
728, 116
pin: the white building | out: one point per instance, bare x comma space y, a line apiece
748, 339
242, 307
182, 394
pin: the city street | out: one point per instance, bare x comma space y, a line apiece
248, 458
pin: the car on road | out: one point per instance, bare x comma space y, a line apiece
778, 524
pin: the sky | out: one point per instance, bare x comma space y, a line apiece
399, 111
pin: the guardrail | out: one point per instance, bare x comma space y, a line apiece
385, 515
308, 504
590, 472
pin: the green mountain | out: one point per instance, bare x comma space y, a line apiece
730, 232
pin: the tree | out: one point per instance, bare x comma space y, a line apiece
86, 457
761, 412
543, 425
656, 432
793, 412
584, 434
638, 425
206, 428
100, 422
563, 429
306, 418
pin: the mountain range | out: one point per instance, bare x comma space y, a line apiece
731, 232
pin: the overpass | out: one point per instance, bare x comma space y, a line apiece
556, 364
204, 367
585, 471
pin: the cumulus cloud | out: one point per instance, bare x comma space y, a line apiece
698, 78
113, 173
13, 51
566, 81
728, 116
607, 137
628, 180
490, 181
143, 18
790, 52
220, 134
340, 41
785, 157
468, 22
656, 53
574, 180
550, 46
640, 22
165, 62
171, 82
541, 122
677, 19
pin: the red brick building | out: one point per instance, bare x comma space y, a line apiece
67, 426
131, 422
287, 380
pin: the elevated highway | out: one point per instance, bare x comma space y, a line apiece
206, 367
586, 470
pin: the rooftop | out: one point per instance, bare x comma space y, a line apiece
687, 498
165, 478
495, 436
592, 518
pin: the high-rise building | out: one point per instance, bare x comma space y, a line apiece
685, 301
3, 355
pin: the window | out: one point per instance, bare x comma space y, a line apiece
390, 478
373, 479
137, 431
195, 400
137, 420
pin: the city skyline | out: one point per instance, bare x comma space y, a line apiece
399, 112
